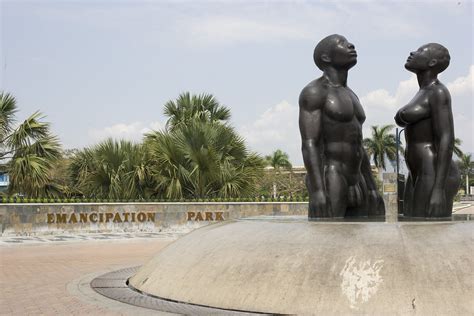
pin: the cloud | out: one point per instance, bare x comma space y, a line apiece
276, 128
462, 84
227, 23
380, 106
132, 131
463, 126
406, 89
461, 92
382, 98
232, 29
258, 22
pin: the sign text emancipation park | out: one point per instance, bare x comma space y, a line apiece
96, 217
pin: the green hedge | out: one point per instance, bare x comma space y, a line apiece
16, 199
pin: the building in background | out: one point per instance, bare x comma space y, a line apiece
4, 181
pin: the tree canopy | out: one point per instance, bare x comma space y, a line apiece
278, 159
381, 145
197, 155
113, 170
28, 152
191, 108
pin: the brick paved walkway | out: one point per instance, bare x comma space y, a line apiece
34, 278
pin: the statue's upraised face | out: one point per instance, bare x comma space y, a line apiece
419, 59
335, 51
431, 56
342, 53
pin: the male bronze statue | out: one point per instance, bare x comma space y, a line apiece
339, 177
433, 178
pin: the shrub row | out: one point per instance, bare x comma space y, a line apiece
17, 199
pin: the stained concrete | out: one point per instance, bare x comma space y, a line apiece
326, 268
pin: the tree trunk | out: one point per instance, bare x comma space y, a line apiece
467, 184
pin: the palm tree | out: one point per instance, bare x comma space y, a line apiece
27, 152
7, 117
279, 159
113, 170
466, 167
457, 148
382, 145
202, 159
187, 107
198, 154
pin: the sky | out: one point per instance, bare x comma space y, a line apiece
99, 69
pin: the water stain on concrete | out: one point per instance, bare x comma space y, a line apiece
360, 280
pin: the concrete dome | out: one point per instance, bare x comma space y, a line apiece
299, 267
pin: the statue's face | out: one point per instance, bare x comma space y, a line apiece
343, 53
419, 60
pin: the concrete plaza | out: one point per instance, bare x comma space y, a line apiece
50, 275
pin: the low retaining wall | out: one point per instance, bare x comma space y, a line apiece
36, 219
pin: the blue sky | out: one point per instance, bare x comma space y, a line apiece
105, 68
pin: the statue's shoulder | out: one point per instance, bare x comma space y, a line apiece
314, 94
441, 89
440, 93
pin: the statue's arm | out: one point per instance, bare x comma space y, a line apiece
365, 169
310, 122
443, 129
443, 135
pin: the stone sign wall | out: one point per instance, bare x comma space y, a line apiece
390, 196
34, 219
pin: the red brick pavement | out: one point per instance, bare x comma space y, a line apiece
33, 278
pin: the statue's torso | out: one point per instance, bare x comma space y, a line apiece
419, 136
421, 143
342, 130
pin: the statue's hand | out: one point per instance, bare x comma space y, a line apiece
375, 202
318, 205
437, 205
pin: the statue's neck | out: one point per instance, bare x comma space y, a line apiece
426, 78
336, 77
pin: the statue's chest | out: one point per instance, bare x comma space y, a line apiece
419, 106
343, 106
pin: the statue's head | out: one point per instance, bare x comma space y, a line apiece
335, 51
432, 56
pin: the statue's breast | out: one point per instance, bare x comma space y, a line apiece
339, 106
418, 109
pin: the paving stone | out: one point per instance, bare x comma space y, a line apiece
34, 275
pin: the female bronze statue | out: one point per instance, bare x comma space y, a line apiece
433, 178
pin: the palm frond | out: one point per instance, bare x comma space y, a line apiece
7, 114
381, 145
29, 131
457, 148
